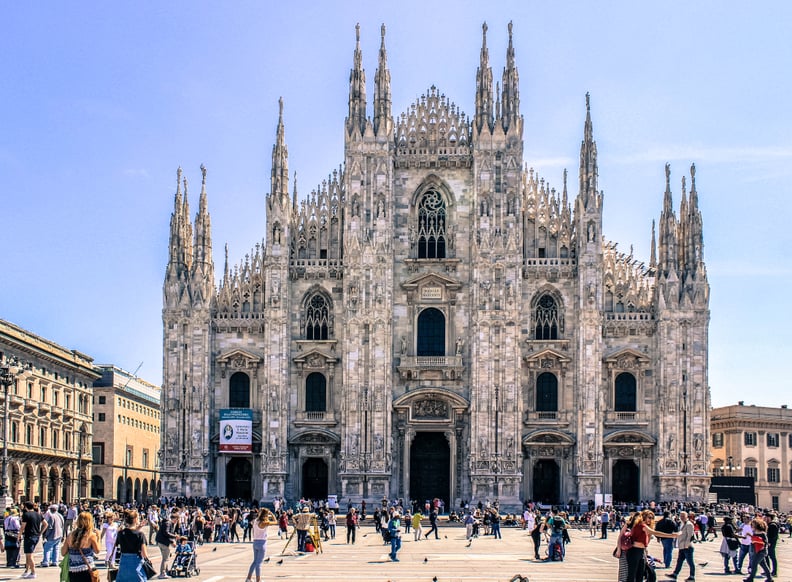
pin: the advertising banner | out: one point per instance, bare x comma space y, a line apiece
236, 430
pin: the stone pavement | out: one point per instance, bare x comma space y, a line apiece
449, 559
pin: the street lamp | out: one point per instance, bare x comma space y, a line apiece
10, 370
81, 436
730, 466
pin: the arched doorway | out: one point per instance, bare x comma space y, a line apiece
626, 481
239, 474
546, 482
430, 467
97, 486
314, 479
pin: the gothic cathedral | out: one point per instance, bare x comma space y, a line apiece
436, 321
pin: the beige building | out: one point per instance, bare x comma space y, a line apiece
437, 320
126, 437
755, 441
47, 404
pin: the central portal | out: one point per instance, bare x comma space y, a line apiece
626, 481
239, 476
430, 467
546, 481
314, 479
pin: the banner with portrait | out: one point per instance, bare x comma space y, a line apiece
236, 430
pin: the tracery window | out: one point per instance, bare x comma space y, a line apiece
315, 393
239, 391
317, 319
547, 393
547, 319
625, 393
432, 226
431, 333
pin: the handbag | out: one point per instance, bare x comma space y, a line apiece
148, 569
91, 569
64, 569
732, 543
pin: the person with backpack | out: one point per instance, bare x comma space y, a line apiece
394, 529
557, 525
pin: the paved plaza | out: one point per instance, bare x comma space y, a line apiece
449, 559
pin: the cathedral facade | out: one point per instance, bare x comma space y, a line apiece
436, 321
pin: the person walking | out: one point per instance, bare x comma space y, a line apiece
604, 520
685, 541
331, 523
667, 525
433, 523
81, 546
746, 531
536, 536
759, 554
131, 547
109, 532
351, 525
33, 525
53, 536
729, 545
11, 528
152, 517
165, 538
260, 524
394, 529
495, 520
772, 542
416, 524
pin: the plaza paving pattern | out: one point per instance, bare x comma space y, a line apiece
448, 559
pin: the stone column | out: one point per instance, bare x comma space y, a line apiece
409, 435
450, 436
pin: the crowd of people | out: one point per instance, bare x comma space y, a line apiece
748, 537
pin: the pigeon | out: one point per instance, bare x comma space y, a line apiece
703, 564
365, 535
267, 559
426, 560
434, 578
214, 549
279, 562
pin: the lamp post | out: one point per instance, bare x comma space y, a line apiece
81, 436
10, 370
730, 466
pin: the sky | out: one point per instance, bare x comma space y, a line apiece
100, 102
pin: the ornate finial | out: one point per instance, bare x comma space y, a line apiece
684, 183
203, 175
280, 108
692, 177
178, 178
184, 181
357, 32
484, 31
511, 26
668, 175
588, 102
382, 31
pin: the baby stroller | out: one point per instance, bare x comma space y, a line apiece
185, 564
386, 536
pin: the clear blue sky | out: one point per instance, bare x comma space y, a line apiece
101, 102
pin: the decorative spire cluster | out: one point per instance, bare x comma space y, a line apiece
588, 162
382, 91
280, 163
499, 108
190, 271
356, 120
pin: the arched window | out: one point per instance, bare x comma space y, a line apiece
431, 226
547, 393
431, 333
546, 319
625, 393
239, 391
317, 319
315, 393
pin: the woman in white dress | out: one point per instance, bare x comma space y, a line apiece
109, 535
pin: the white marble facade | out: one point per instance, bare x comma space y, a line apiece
436, 320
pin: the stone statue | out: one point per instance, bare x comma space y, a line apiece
459, 344
403, 345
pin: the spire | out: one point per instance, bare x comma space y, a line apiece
280, 161
695, 228
187, 231
588, 160
510, 100
667, 236
176, 254
382, 91
225, 268
653, 255
294, 195
484, 87
356, 121
203, 232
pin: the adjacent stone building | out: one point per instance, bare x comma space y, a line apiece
126, 437
47, 404
437, 320
755, 441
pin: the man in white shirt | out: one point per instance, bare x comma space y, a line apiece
746, 531
52, 537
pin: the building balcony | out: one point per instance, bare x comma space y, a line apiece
44, 408
431, 367
546, 418
314, 418
614, 418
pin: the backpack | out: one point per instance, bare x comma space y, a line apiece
625, 541
558, 525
